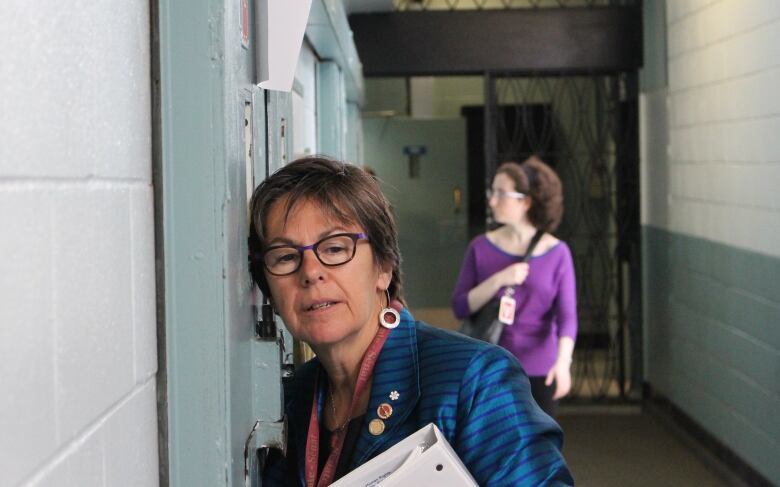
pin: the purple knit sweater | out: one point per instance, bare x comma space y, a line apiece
546, 301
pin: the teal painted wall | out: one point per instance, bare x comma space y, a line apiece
712, 314
386, 94
654, 73
432, 236
448, 95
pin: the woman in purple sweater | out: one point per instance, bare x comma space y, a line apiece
526, 198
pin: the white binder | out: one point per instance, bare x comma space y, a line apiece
423, 458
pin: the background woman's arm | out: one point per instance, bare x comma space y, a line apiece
470, 295
514, 275
566, 314
561, 370
467, 280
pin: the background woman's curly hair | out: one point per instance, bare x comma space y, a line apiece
538, 180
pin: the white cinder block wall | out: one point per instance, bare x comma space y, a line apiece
77, 312
723, 173
711, 218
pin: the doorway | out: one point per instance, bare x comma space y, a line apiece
585, 127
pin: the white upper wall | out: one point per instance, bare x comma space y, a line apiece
304, 102
715, 175
78, 318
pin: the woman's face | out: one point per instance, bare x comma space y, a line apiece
506, 209
324, 305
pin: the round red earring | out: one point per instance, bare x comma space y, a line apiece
389, 317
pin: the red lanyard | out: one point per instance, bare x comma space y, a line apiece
313, 439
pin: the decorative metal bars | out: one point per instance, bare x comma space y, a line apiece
409, 5
581, 125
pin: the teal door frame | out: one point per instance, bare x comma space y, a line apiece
219, 385
206, 332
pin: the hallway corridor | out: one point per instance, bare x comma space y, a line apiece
623, 445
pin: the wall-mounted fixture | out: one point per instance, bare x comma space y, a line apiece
280, 25
457, 198
414, 152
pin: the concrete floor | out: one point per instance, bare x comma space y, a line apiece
609, 446
626, 447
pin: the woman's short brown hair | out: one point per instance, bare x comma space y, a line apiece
345, 192
538, 180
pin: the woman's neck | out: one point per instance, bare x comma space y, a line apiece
519, 233
341, 362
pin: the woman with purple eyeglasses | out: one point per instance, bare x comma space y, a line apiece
324, 249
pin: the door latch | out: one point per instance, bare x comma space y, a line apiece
265, 327
264, 437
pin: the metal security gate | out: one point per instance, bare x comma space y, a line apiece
560, 80
585, 127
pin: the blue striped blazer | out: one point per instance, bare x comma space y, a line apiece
476, 393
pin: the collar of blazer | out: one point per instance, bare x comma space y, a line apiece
396, 370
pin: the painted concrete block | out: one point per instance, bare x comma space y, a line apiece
708, 66
752, 147
86, 102
695, 74
746, 15
749, 357
680, 109
756, 185
733, 136
727, 425
675, 142
739, 55
144, 301
763, 241
729, 104
130, 436
80, 464
748, 399
770, 143
703, 141
27, 405
751, 272
674, 10
729, 183
753, 315
674, 34
654, 144
93, 308
711, 22
42, 105
681, 36
710, 106
749, 94
122, 127
729, 224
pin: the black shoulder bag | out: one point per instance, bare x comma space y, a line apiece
484, 323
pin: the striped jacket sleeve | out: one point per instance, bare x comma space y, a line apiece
504, 438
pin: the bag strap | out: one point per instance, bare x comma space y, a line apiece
509, 290
531, 245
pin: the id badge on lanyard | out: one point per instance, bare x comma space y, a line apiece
506, 309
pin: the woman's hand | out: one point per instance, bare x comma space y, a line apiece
561, 374
514, 275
